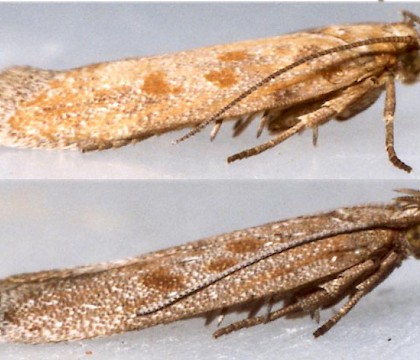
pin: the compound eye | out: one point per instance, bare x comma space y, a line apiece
413, 238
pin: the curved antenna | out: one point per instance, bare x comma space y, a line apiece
253, 260
301, 61
410, 198
410, 17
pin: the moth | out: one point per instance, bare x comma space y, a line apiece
308, 263
293, 82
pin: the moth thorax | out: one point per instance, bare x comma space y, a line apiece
413, 239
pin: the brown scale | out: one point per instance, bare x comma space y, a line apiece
309, 263
341, 69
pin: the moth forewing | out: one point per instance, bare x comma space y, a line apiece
312, 261
340, 69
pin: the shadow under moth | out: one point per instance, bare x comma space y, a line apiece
295, 266
292, 82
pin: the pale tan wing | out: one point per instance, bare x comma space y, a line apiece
108, 104
245, 244
93, 303
206, 261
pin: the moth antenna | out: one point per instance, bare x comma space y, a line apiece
410, 18
251, 261
301, 61
410, 198
407, 191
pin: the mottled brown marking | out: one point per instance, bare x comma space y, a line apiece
34, 328
349, 251
220, 264
156, 84
140, 266
160, 279
311, 49
113, 104
244, 245
233, 56
9, 316
282, 50
222, 78
333, 74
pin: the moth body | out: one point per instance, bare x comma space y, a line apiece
311, 262
116, 103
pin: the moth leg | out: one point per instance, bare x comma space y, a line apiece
269, 307
280, 120
211, 316
216, 314
256, 308
262, 123
361, 104
391, 261
221, 317
269, 144
315, 135
389, 112
215, 130
327, 111
248, 322
243, 123
324, 295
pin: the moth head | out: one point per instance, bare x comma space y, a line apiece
409, 204
413, 239
409, 71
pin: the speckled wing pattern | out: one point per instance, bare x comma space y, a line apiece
112, 104
274, 260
